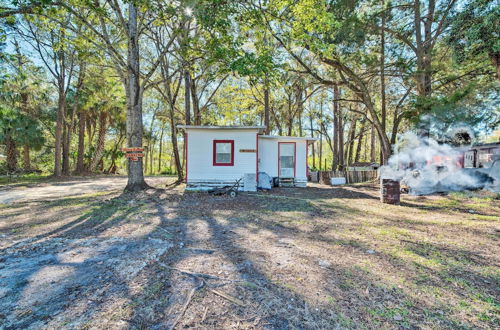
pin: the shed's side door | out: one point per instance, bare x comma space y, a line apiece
286, 156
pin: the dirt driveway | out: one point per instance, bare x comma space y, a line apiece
314, 258
62, 189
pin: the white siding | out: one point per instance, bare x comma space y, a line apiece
200, 155
301, 160
268, 156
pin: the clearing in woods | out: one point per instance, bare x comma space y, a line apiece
290, 258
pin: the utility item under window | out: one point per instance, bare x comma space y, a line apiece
223, 153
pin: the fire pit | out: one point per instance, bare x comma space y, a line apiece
389, 191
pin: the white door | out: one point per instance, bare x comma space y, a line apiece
286, 159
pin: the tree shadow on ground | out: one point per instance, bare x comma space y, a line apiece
284, 306
154, 296
326, 192
75, 264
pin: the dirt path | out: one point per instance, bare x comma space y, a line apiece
67, 188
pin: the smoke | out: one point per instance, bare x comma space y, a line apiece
425, 166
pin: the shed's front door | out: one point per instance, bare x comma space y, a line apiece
286, 160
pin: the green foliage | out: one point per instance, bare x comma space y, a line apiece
250, 64
462, 109
21, 97
475, 30
233, 51
21, 128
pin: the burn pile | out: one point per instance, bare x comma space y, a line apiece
423, 166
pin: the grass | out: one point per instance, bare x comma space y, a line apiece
437, 249
24, 179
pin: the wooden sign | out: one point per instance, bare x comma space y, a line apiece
248, 150
135, 149
134, 155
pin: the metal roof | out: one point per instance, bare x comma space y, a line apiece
219, 127
259, 128
302, 138
486, 145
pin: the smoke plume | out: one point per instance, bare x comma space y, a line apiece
425, 166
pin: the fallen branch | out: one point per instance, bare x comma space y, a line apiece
204, 315
186, 304
199, 275
165, 230
228, 297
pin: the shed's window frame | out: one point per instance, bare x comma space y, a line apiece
215, 162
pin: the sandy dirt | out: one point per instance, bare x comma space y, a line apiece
66, 188
315, 258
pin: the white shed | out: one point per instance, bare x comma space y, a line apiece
220, 155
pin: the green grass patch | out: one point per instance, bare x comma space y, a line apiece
28, 178
396, 313
78, 200
487, 217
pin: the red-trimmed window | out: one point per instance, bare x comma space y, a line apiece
223, 153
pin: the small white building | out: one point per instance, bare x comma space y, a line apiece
220, 155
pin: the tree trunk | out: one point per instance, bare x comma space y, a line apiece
196, 104
267, 130
300, 105
27, 159
290, 116
112, 166
357, 84
101, 137
175, 148
335, 160
68, 129
11, 154
321, 137
61, 111
171, 98
340, 135
352, 134
80, 167
146, 157
312, 135
382, 80
372, 144
395, 126
423, 57
74, 114
360, 142
495, 59
134, 103
65, 149
26, 148
320, 152
160, 147
187, 96
151, 153
24, 107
